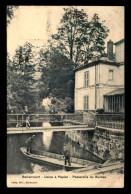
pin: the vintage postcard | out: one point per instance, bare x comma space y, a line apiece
65, 96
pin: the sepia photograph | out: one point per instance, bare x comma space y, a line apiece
65, 96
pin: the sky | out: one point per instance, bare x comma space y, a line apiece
30, 23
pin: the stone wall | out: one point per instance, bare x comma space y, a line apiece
105, 144
108, 143
89, 118
83, 138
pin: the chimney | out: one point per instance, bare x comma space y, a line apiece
110, 50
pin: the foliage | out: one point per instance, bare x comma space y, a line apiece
78, 38
59, 105
10, 81
10, 12
57, 76
57, 81
77, 41
21, 88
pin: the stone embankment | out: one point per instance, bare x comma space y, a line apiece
104, 143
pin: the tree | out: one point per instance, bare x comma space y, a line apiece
10, 12
11, 105
73, 24
96, 35
20, 79
78, 38
57, 78
59, 105
53, 105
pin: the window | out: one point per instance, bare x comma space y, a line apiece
114, 103
86, 79
86, 102
110, 74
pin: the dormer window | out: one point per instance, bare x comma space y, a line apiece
86, 79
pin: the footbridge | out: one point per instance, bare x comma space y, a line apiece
17, 123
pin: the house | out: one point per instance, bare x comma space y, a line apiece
100, 83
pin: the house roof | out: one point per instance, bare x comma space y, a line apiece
119, 91
118, 42
97, 63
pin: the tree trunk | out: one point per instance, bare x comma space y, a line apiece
71, 51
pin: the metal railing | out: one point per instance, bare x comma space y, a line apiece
37, 120
115, 121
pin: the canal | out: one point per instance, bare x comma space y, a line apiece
47, 140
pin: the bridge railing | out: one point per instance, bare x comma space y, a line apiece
37, 120
115, 121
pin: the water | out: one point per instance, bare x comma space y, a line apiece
49, 141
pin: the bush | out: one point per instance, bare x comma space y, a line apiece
100, 111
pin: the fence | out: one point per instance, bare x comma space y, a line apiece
115, 121
37, 120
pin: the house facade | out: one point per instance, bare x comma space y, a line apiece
100, 83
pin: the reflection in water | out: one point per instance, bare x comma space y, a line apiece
57, 142
47, 137
51, 141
